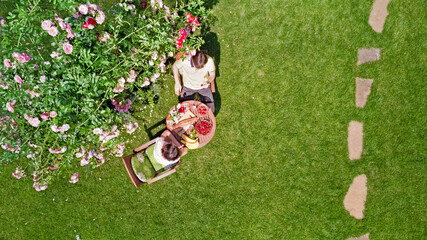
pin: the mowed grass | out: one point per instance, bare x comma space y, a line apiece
278, 165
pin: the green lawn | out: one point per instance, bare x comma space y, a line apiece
278, 166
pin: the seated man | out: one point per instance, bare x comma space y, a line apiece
197, 72
155, 159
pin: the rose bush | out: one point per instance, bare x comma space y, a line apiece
69, 76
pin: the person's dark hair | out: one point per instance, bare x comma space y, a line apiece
200, 59
170, 152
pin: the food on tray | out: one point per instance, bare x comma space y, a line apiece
203, 127
189, 141
202, 110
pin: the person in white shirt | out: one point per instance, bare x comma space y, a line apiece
198, 71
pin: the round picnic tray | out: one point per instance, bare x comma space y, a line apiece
186, 126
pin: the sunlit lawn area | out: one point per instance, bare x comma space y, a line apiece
278, 166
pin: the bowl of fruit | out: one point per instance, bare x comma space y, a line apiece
203, 127
202, 109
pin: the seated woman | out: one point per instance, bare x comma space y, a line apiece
155, 159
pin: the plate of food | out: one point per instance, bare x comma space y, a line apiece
178, 113
203, 127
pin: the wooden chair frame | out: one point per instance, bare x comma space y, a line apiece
169, 136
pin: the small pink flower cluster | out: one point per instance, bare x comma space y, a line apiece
32, 93
63, 128
89, 155
58, 150
18, 79
10, 148
37, 184
74, 178
3, 121
33, 121
193, 22
121, 106
19, 173
68, 48
131, 127
95, 11
146, 82
10, 106
118, 149
56, 55
181, 39
105, 136
158, 2
21, 57
47, 116
2, 21
132, 76
31, 155
48, 26
120, 86
121, 82
64, 26
105, 36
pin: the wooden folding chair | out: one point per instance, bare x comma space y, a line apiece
169, 137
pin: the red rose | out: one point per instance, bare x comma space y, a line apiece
143, 4
91, 21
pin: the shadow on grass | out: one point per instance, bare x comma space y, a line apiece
214, 50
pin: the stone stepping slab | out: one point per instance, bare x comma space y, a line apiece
354, 200
355, 140
363, 89
364, 237
365, 55
378, 15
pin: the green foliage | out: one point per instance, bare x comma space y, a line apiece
83, 71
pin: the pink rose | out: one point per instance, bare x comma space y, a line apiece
53, 114
80, 154
58, 150
45, 116
46, 25
76, 15
104, 37
84, 161
2, 21
97, 131
39, 187
53, 31
132, 77
68, 48
9, 106
83, 9
18, 79
70, 33
55, 55
19, 173
26, 56
100, 17
7, 63
74, 178
34, 122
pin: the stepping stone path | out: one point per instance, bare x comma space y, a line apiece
363, 89
368, 55
364, 237
354, 201
378, 15
355, 140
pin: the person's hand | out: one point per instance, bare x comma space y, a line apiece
177, 89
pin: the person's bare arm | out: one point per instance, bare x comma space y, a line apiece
211, 77
176, 76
